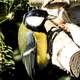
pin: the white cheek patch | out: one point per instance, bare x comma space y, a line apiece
34, 21
54, 12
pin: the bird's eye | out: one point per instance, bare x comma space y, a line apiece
34, 21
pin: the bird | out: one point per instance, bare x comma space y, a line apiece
62, 55
32, 41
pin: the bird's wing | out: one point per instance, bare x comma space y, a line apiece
27, 48
29, 55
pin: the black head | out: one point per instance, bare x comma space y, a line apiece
37, 12
34, 19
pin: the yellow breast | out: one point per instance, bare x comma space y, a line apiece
41, 44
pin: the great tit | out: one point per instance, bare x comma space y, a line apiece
72, 56
32, 40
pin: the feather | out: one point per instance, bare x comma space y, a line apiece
75, 32
41, 44
27, 48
